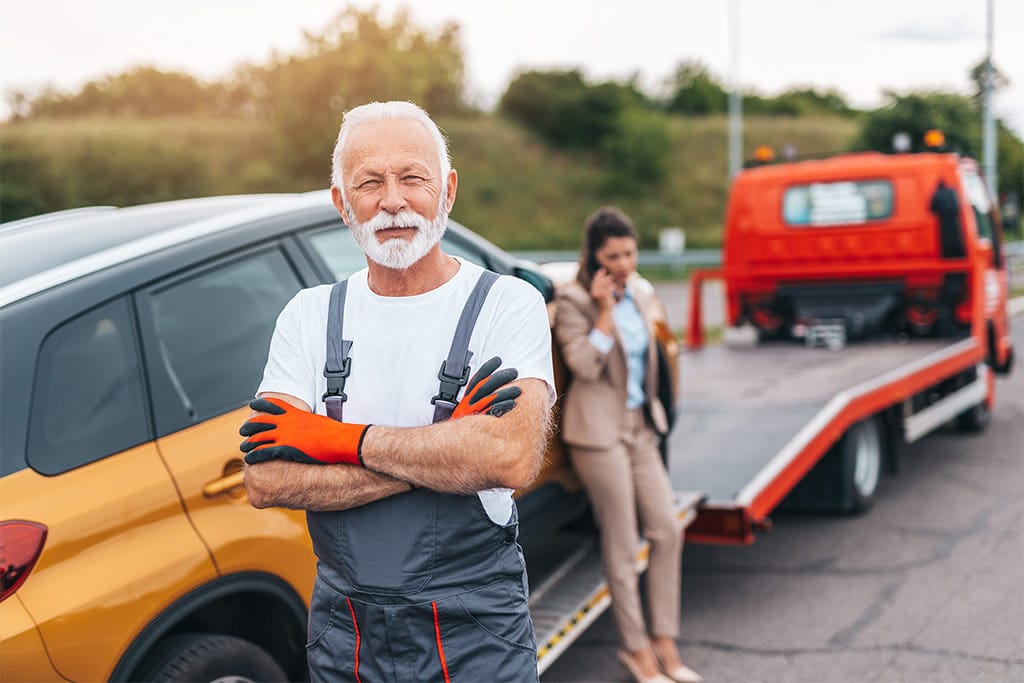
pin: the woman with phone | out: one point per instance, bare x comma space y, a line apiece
611, 423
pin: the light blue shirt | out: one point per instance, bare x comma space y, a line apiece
633, 332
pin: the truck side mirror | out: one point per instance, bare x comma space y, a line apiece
985, 250
946, 206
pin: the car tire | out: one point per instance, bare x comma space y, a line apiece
974, 419
210, 658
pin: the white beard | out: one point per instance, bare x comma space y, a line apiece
397, 253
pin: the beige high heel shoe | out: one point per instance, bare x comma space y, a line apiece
627, 661
680, 674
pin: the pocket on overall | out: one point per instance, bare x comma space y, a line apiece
332, 635
487, 634
388, 546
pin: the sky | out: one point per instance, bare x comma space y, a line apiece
859, 48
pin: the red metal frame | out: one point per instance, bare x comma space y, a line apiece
713, 523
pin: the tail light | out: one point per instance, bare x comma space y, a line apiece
922, 315
21, 543
964, 313
766, 319
720, 525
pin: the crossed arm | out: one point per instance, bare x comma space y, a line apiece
462, 456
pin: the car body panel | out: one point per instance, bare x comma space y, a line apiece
239, 537
119, 549
24, 659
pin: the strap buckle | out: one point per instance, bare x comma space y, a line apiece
336, 381
450, 385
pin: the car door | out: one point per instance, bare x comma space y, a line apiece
206, 334
119, 546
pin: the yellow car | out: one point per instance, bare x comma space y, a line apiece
130, 342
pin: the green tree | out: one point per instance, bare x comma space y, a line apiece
538, 100
957, 116
695, 91
357, 58
566, 111
637, 150
143, 92
797, 102
915, 114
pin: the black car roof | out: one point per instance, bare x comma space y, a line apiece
40, 252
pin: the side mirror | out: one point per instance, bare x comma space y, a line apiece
540, 281
985, 250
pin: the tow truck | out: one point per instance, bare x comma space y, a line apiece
866, 302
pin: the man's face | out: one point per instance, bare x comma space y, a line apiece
397, 202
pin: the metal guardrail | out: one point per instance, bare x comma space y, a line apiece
1015, 265
648, 257
1014, 252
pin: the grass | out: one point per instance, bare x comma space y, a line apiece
523, 195
513, 189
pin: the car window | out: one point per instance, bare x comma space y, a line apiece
980, 203
344, 257
339, 251
455, 248
88, 399
213, 331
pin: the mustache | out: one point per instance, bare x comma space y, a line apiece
403, 219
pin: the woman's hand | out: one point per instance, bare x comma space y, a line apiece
603, 290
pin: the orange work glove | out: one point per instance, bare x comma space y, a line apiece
289, 433
485, 398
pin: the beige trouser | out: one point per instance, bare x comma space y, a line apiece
621, 482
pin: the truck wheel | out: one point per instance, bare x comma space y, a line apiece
861, 454
974, 419
210, 658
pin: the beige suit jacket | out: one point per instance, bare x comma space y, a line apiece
594, 406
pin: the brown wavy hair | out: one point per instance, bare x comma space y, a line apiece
605, 223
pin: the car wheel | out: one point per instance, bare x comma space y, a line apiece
210, 658
974, 419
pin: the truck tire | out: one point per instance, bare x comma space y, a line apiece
210, 658
861, 454
974, 419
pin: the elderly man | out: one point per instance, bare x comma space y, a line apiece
409, 494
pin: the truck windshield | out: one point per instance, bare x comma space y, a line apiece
837, 203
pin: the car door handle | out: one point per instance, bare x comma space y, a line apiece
223, 485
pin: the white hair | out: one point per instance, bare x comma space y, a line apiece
387, 111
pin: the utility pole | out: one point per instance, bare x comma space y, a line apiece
991, 173
735, 106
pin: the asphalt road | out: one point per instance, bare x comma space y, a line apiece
928, 585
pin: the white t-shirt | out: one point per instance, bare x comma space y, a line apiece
398, 344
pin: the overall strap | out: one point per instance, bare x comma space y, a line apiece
454, 372
338, 365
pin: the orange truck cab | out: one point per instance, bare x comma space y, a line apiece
868, 244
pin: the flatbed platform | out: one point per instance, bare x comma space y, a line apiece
745, 414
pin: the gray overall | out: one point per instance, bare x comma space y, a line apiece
420, 586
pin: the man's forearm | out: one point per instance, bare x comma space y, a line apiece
317, 487
468, 454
